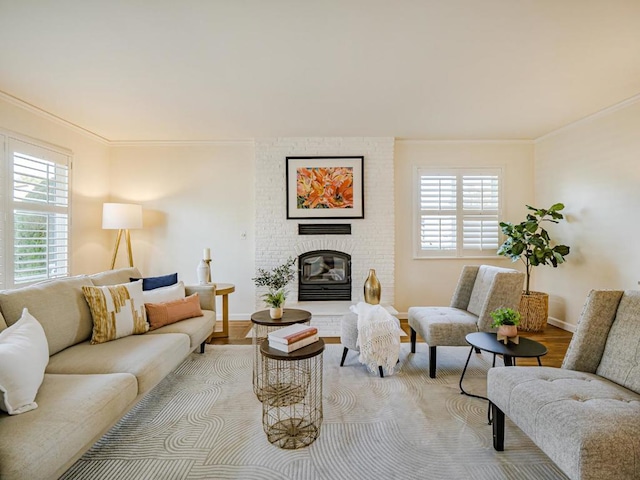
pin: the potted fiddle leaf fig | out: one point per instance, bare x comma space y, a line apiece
530, 243
276, 281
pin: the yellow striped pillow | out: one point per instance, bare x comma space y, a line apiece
117, 311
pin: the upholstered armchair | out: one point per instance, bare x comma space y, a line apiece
586, 415
480, 290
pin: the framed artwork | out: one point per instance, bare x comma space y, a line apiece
325, 187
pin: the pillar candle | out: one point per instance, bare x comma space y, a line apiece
207, 254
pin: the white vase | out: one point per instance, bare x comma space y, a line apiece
276, 312
203, 272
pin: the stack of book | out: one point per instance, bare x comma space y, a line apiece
293, 337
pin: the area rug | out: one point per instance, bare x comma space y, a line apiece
204, 422
332, 329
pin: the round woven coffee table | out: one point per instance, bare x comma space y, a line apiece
292, 395
263, 324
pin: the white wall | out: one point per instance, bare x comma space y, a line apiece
192, 197
371, 243
593, 167
432, 281
89, 187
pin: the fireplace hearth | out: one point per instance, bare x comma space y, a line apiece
324, 275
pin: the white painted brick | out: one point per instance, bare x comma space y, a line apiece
372, 242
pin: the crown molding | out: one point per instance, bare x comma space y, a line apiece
179, 143
600, 113
51, 117
416, 141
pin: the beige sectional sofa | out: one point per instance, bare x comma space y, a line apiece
87, 388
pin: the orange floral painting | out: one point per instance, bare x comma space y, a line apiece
324, 187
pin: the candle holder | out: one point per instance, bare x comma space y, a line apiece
204, 272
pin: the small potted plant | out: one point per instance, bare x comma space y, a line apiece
506, 320
276, 281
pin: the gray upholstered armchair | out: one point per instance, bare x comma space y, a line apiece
586, 415
480, 290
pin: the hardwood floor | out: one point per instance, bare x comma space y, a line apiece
555, 339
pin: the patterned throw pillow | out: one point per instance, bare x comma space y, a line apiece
161, 314
117, 311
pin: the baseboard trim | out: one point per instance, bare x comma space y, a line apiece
569, 327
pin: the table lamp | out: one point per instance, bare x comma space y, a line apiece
121, 217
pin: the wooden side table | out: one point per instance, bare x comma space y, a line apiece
263, 324
292, 403
224, 289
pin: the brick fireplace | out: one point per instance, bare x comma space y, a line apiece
372, 240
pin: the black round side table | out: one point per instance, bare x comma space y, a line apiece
488, 341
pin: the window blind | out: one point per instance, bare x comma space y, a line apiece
39, 213
458, 212
3, 210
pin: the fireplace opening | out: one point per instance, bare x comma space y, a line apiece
324, 275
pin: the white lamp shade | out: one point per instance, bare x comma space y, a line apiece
116, 216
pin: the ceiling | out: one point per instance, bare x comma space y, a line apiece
191, 70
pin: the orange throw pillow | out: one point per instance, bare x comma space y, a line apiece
161, 314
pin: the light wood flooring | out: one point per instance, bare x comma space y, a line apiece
555, 339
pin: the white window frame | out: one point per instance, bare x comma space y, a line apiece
459, 172
10, 142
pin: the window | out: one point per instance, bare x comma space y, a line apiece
36, 213
457, 212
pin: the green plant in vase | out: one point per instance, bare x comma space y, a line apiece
530, 243
506, 320
276, 281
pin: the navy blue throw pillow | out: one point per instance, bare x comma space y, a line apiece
151, 283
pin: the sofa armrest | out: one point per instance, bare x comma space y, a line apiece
207, 294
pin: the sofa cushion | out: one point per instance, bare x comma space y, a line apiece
114, 277
583, 422
59, 306
442, 326
149, 357
588, 342
199, 329
74, 410
24, 355
620, 361
166, 313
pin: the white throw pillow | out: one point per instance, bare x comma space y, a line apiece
165, 294
24, 355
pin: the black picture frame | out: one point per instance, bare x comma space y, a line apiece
330, 187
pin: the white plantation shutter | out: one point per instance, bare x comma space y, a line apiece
38, 213
3, 211
481, 202
438, 206
458, 211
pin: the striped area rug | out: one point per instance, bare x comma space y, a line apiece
204, 422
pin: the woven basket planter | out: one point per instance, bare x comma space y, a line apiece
534, 309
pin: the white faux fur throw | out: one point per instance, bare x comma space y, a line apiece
378, 337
